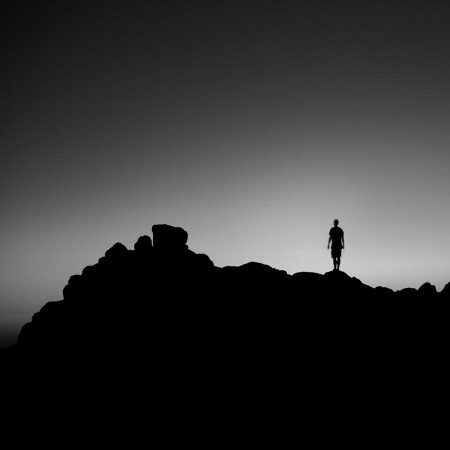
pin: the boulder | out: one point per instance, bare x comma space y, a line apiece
445, 293
73, 287
168, 237
117, 251
427, 290
143, 244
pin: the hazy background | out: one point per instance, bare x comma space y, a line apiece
252, 124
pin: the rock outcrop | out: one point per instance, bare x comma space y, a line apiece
168, 237
164, 312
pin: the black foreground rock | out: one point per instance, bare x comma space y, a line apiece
162, 292
164, 320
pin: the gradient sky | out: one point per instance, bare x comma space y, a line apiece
251, 124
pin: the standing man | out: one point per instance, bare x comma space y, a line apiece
337, 244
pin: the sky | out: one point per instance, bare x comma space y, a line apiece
251, 124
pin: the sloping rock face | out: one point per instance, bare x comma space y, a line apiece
163, 313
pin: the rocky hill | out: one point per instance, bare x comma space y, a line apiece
163, 326
161, 295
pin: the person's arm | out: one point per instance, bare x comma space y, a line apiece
329, 240
342, 239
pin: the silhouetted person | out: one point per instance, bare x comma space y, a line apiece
337, 244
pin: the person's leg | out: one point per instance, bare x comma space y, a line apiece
334, 263
338, 263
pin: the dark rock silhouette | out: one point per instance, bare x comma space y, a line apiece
446, 291
168, 237
143, 245
130, 299
163, 322
427, 290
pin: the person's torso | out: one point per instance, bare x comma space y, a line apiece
336, 234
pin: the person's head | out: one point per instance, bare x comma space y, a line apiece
336, 222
